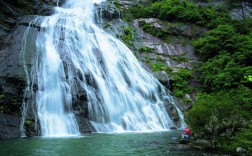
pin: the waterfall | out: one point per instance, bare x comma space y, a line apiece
74, 55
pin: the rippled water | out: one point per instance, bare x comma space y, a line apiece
97, 144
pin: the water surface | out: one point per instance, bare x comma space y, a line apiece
97, 144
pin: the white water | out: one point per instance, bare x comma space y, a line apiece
122, 96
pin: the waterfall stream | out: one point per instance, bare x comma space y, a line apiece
76, 55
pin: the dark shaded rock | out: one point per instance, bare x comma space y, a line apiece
201, 144
11, 95
184, 141
9, 126
30, 21
12, 74
39, 7
173, 113
80, 106
173, 128
163, 77
84, 125
108, 10
31, 128
12, 57
47, 10
10, 10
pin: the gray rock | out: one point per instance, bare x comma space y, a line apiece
84, 125
173, 128
202, 144
108, 10
9, 126
188, 97
12, 58
240, 150
12, 74
127, 4
163, 77
173, 113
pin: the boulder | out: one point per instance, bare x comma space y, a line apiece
240, 150
201, 144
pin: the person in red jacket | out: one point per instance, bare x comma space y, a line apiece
186, 134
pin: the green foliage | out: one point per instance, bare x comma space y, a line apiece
242, 139
226, 67
218, 40
160, 67
179, 58
184, 11
28, 122
146, 49
2, 96
249, 77
226, 70
243, 26
180, 82
128, 36
227, 58
214, 113
107, 26
147, 60
160, 33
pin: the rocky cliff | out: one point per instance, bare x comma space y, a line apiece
159, 55
14, 37
163, 48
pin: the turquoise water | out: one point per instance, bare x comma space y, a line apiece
96, 144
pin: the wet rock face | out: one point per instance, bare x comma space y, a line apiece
164, 52
17, 50
108, 10
162, 47
13, 27
9, 126
84, 125
173, 113
12, 74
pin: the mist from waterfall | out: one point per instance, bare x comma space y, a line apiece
74, 54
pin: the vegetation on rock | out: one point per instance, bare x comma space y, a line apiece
221, 111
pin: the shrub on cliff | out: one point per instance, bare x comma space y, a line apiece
184, 11
226, 56
241, 139
214, 113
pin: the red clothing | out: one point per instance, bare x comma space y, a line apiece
187, 131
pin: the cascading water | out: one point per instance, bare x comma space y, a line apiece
75, 53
